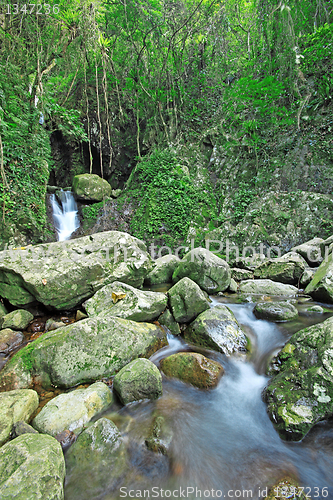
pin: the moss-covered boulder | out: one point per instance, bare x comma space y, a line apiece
63, 274
17, 320
217, 329
307, 277
82, 352
125, 301
166, 319
203, 267
140, 379
311, 251
91, 187
267, 287
275, 311
286, 269
187, 300
301, 392
99, 448
73, 410
321, 285
15, 406
193, 368
9, 340
241, 274
32, 467
163, 270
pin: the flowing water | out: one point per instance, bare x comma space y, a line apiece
65, 216
224, 444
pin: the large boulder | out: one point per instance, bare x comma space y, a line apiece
286, 269
17, 320
63, 274
321, 285
81, 353
301, 392
241, 274
307, 277
163, 270
217, 329
91, 187
15, 406
124, 301
187, 300
140, 379
203, 267
311, 251
193, 368
32, 467
275, 311
9, 340
267, 287
73, 410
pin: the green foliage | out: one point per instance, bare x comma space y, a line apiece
243, 197
92, 211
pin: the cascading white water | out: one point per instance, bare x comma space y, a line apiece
65, 216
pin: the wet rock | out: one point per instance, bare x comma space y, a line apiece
241, 274
316, 309
80, 315
91, 187
82, 352
203, 267
160, 436
267, 287
32, 467
22, 427
148, 464
301, 392
66, 439
249, 263
193, 368
36, 326
217, 329
9, 340
275, 311
52, 324
15, 406
310, 251
163, 270
72, 411
187, 300
126, 302
138, 380
166, 319
321, 285
233, 287
286, 269
17, 320
287, 488
306, 277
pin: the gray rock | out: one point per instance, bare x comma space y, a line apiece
241, 274
275, 311
163, 270
286, 269
249, 263
73, 410
17, 320
267, 287
166, 319
15, 406
187, 300
9, 340
233, 287
311, 251
217, 329
307, 277
316, 309
326, 247
124, 301
138, 380
321, 285
91, 187
22, 427
32, 467
52, 324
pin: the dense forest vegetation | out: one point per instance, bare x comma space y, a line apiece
197, 107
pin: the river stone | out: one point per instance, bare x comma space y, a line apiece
160, 435
217, 329
241, 274
203, 267
96, 462
286, 269
301, 392
321, 285
32, 467
91, 187
187, 300
267, 287
316, 309
166, 319
249, 263
193, 368
22, 427
233, 287
63, 274
9, 340
275, 311
15, 406
310, 251
124, 301
307, 277
140, 379
17, 320
82, 352
163, 270
73, 410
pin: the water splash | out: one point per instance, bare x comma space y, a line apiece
65, 216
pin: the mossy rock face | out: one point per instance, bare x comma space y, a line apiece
32, 467
163, 270
63, 274
267, 287
101, 447
82, 352
311, 251
217, 329
187, 300
193, 368
321, 285
140, 379
301, 392
287, 269
210, 272
73, 410
275, 311
91, 187
126, 302
166, 319
17, 320
15, 406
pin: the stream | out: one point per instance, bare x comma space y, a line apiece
224, 444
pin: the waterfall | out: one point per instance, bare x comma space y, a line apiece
65, 216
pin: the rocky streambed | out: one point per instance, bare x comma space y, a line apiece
215, 384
